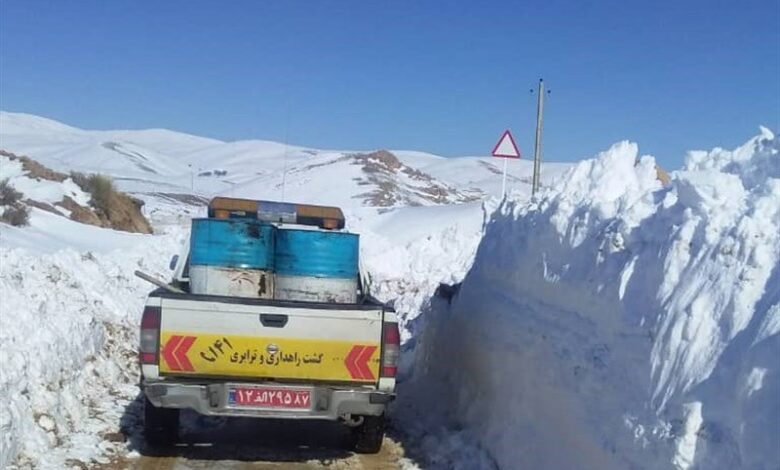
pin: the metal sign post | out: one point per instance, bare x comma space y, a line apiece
503, 181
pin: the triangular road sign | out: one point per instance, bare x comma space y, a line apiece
506, 147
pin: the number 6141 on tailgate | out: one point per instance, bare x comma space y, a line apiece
270, 397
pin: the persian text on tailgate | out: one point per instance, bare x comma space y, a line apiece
228, 355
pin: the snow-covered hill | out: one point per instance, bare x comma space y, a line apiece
166, 161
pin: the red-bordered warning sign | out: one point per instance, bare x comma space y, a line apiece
506, 146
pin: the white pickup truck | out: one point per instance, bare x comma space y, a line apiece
265, 358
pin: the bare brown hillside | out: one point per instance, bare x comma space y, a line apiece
107, 208
395, 183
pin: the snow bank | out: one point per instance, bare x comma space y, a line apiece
614, 323
407, 252
67, 336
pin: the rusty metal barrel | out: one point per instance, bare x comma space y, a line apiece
232, 257
316, 265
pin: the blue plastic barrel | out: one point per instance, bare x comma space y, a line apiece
314, 253
234, 243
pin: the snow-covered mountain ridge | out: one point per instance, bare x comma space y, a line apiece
166, 161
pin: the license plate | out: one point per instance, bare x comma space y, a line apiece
270, 397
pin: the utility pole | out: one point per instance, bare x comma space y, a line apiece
538, 146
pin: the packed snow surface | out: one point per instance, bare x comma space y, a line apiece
614, 323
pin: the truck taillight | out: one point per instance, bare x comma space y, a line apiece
150, 335
391, 350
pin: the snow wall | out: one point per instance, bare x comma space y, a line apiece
613, 323
66, 318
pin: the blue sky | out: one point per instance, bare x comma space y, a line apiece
444, 77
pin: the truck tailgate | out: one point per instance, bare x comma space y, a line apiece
233, 339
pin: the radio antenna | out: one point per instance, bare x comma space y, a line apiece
286, 146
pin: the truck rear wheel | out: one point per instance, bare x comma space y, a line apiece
368, 436
161, 425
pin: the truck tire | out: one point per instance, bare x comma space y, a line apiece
161, 425
368, 436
